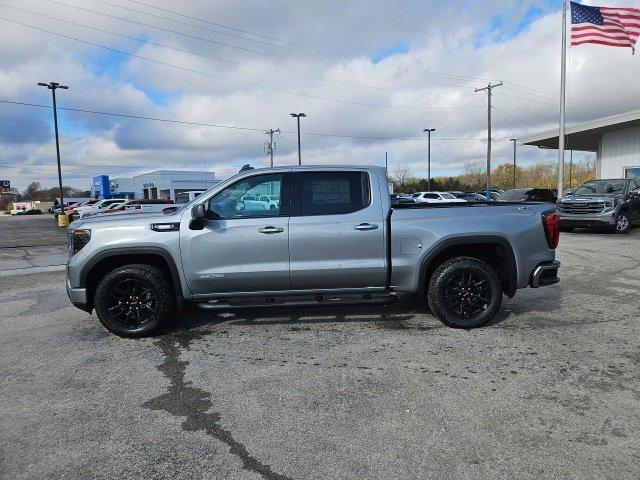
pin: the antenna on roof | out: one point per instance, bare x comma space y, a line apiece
246, 167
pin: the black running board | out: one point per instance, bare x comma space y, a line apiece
281, 302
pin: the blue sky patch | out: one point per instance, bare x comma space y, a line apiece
389, 51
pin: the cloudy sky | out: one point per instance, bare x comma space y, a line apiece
370, 75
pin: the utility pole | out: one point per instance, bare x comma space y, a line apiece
297, 116
514, 140
429, 130
270, 145
53, 86
489, 88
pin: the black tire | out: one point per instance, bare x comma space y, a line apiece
464, 292
134, 300
623, 223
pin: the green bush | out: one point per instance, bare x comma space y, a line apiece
35, 211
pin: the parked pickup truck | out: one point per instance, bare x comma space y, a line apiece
613, 203
333, 238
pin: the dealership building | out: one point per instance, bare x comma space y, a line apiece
158, 184
615, 141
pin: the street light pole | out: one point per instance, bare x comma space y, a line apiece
514, 140
53, 86
429, 130
297, 116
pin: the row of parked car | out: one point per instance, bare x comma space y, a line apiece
606, 203
112, 206
515, 195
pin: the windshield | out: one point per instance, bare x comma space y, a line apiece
511, 195
600, 187
447, 195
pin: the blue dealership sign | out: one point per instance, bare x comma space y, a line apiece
101, 186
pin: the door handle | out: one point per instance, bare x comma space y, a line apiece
270, 229
366, 226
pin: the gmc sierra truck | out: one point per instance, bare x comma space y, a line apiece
613, 203
331, 238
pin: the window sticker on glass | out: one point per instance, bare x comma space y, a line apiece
330, 191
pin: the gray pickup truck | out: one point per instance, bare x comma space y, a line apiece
612, 203
327, 235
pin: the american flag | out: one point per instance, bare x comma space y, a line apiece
616, 27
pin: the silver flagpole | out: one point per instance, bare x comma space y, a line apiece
563, 82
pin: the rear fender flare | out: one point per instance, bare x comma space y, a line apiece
511, 282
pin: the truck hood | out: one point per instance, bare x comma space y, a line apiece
591, 198
125, 219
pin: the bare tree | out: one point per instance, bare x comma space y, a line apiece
474, 175
33, 191
401, 174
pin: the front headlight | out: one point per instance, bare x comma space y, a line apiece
77, 240
609, 205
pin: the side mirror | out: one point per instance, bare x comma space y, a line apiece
197, 217
197, 211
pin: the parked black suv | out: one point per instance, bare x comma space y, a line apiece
611, 203
528, 195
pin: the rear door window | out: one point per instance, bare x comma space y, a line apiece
330, 193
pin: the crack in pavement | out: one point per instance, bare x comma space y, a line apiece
184, 400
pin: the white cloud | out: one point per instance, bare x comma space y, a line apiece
473, 43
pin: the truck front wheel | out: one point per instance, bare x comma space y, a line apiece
623, 225
464, 292
134, 300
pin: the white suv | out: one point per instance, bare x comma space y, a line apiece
436, 197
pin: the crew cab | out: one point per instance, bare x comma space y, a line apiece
333, 238
612, 203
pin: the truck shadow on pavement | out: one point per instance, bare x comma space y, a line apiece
408, 314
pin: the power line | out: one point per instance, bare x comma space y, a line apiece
315, 50
270, 54
555, 95
232, 127
212, 57
305, 95
514, 117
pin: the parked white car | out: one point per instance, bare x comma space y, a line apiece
436, 197
272, 200
81, 212
186, 197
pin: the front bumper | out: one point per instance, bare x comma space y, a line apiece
78, 297
546, 273
588, 220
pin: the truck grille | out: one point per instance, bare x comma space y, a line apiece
581, 207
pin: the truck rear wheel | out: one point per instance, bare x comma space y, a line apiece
134, 300
464, 292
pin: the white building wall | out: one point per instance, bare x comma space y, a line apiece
619, 149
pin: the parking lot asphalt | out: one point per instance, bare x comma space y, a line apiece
550, 390
31, 243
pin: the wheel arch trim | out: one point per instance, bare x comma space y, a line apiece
132, 252
512, 265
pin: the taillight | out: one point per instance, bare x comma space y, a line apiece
551, 222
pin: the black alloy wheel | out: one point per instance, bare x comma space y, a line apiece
131, 303
465, 292
134, 300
